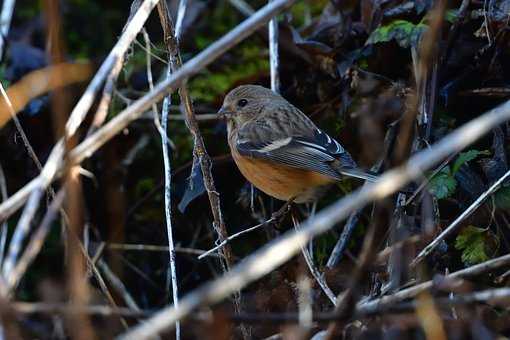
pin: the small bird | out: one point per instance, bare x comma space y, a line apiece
279, 149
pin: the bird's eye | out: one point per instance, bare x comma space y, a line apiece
242, 102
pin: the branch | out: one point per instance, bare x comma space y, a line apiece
5, 22
385, 301
273, 54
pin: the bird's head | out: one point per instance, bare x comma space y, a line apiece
247, 102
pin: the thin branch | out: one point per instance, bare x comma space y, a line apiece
314, 271
4, 227
465, 214
232, 237
41, 307
181, 11
118, 285
36, 242
273, 53
21, 231
385, 301
343, 240
20, 130
5, 22
150, 247
280, 250
166, 23
243, 7
275, 218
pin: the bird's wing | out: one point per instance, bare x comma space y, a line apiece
315, 150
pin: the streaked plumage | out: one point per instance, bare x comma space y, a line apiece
279, 149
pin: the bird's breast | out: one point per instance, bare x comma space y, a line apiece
280, 181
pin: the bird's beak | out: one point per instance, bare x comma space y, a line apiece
224, 113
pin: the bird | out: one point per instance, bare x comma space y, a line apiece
280, 150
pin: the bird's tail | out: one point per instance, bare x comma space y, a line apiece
358, 173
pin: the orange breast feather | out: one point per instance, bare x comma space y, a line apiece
280, 181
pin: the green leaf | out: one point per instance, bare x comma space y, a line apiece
465, 157
443, 185
472, 242
144, 185
405, 33
502, 198
451, 15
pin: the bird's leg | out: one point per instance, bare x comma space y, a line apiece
278, 216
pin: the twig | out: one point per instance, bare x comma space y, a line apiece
305, 302
283, 248
276, 217
273, 53
346, 301
150, 247
179, 117
181, 11
166, 23
36, 242
52, 308
243, 7
3, 232
20, 130
5, 22
343, 240
35, 187
118, 285
466, 213
385, 301
232, 237
314, 271
21, 231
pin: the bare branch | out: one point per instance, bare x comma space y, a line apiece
314, 270
273, 54
371, 306
5, 21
